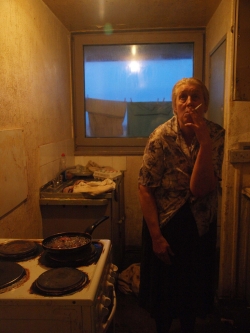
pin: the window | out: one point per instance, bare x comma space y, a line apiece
123, 84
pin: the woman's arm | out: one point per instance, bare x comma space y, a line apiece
149, 209
203, 179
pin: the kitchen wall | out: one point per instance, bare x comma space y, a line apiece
36, 97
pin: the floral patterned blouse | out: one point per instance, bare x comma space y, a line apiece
167, 166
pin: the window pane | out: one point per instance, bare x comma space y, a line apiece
128, 87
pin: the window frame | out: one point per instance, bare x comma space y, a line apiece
119, 146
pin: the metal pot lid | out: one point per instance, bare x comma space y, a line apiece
17, 247
10, 272
61, 281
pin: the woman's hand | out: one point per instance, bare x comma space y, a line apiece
199, 127
162, 249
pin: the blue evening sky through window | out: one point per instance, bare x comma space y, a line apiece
146, 81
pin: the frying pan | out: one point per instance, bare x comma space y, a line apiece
49, 242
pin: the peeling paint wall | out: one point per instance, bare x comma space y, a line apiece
35, 96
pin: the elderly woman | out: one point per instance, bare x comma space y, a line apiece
178, 184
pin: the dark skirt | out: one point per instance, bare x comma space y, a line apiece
188, 285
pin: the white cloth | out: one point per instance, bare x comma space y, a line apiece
106, 107
94, 187
105, 117
129, 280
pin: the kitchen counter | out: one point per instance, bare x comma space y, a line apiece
54, 195
66, 212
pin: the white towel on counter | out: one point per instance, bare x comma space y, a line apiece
94, 187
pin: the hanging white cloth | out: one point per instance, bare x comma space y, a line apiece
105, 117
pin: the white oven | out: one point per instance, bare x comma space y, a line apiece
88, 310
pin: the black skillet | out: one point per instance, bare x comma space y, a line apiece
71, 242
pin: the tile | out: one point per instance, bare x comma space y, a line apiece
120, 163
82, 160
47, 173
104, 161
116, 162
47, 153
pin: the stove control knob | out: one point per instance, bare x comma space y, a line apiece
103, 311
106, 301
111, 279
114, 268
109, 286
113, 274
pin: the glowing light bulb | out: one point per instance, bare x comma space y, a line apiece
134, 66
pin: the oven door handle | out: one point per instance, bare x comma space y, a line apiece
106, 325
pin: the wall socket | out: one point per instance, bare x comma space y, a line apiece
239, 156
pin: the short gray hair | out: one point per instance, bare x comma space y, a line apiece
194, 81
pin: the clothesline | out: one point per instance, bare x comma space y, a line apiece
130, 100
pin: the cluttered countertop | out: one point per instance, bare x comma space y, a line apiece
81, 185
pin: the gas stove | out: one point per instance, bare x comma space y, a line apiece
89, 309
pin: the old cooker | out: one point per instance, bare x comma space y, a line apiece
89, 308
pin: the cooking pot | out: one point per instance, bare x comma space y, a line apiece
71, 242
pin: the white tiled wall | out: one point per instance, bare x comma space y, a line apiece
50, 159
116, 162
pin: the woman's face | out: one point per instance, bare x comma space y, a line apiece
188, 97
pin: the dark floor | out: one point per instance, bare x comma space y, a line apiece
228, 317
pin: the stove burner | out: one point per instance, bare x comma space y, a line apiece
60, 281
10, 273
83, 258
18, 250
